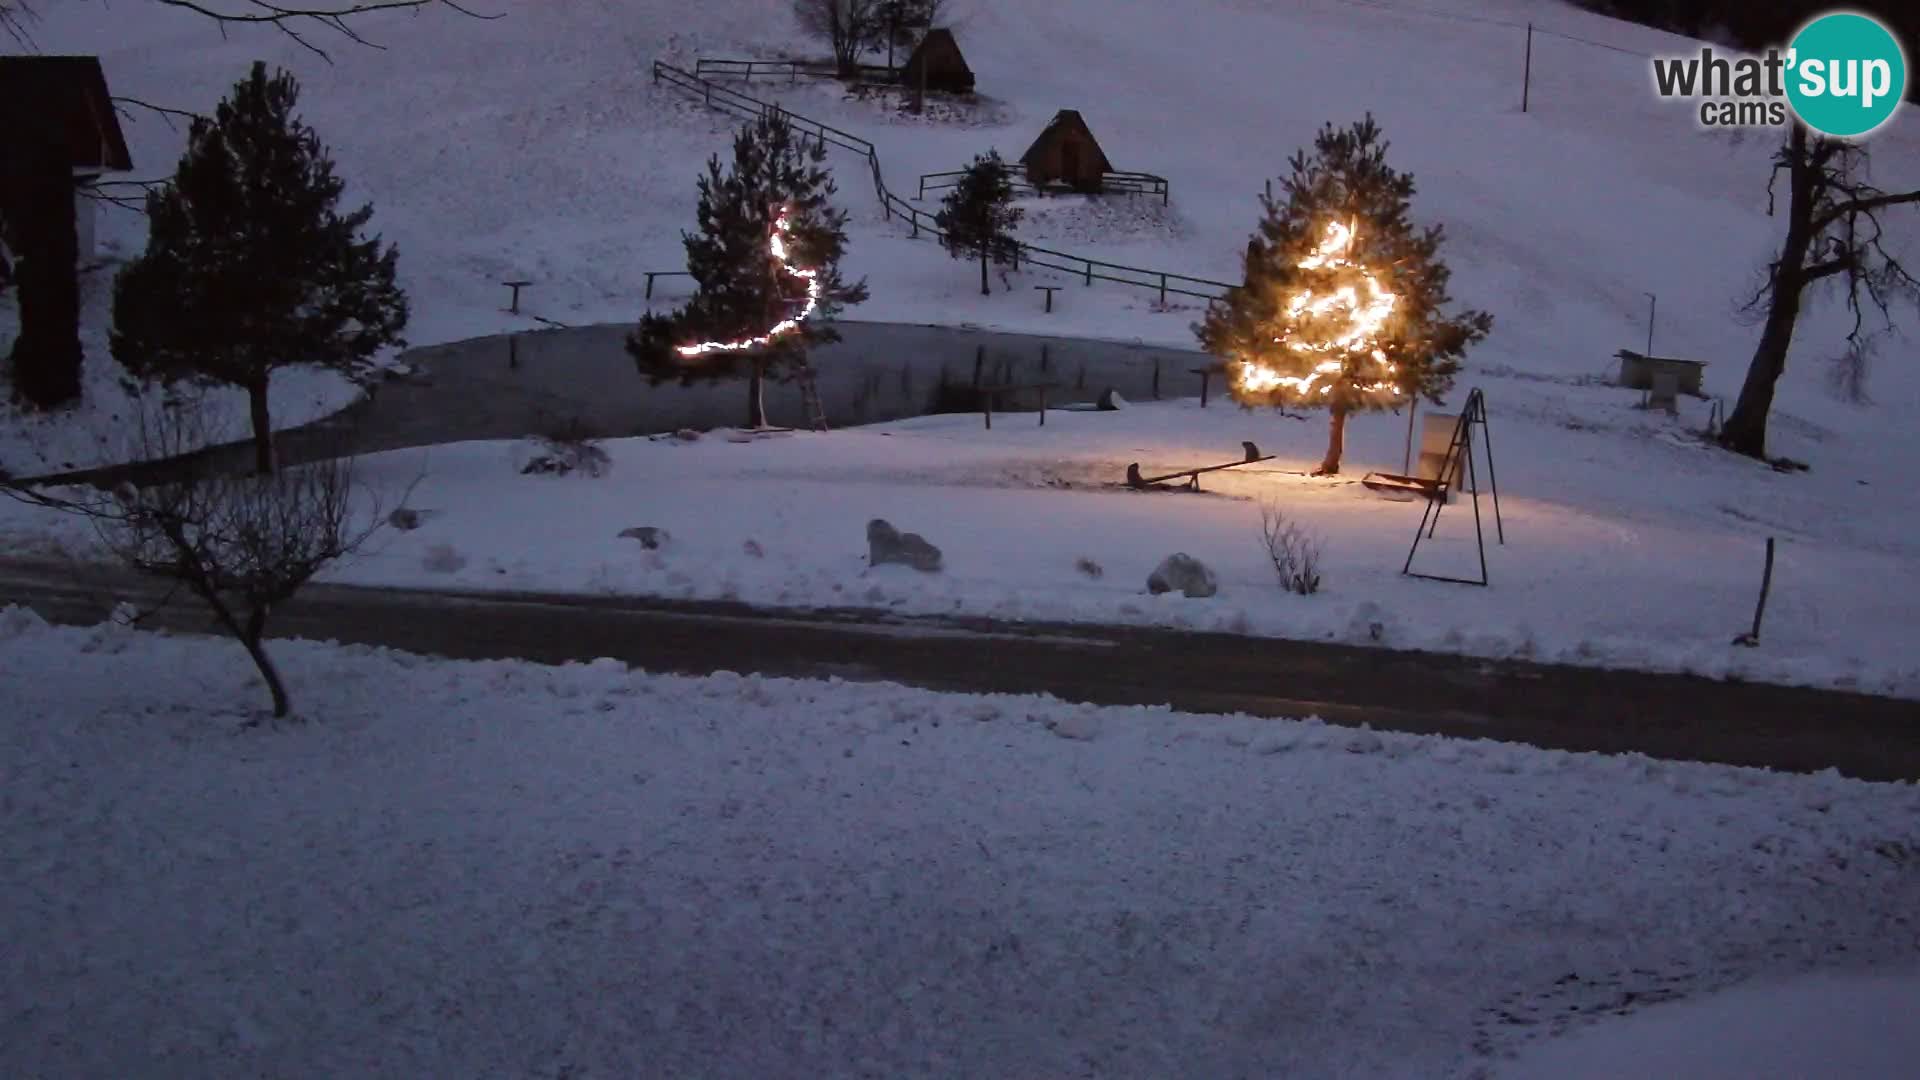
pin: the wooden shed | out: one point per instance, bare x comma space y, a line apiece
64, 101
1066, 153
1640, 372
938, 60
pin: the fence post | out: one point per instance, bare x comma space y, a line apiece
1156, 378
1089, 271
1526, 85
1163, 290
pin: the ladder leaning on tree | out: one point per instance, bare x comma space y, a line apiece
810, 398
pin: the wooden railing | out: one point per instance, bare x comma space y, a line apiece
1124, 183
918, 220
791, 70
935, 181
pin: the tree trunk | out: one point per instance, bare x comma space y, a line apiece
1746, 427
263, 462
38, 192
984, 291
757, 395
1336, 442
256, 629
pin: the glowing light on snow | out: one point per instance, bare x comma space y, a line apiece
777, 244
1365, 318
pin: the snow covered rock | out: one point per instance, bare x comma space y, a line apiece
886, 544
650, 537
753, 549
1181, 572
1111, 401
443, 559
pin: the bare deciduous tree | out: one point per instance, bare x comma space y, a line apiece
849, 26
242, 543
1834, 234
1294, 552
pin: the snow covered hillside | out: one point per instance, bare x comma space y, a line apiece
537, 146
504, 869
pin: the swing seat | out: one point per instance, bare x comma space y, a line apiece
1415, 485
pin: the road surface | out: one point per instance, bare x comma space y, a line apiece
1572, 708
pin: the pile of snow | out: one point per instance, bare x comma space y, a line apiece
1805, 1028
465, 869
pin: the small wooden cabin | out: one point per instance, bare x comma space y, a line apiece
1640, 372
64, 101
1066, 153
938, 60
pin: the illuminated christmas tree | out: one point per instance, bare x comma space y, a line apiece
1342, 303
765, 262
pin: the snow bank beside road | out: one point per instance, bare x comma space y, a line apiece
483, 869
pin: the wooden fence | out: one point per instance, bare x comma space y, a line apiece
791, 70
1120, 183
918, 220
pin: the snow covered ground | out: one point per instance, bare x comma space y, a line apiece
99, 429
1628, 543
536, 146
501, 869
1795, 1029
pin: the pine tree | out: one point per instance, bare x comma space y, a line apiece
249, 266
977, 218
1343, 297
744, 288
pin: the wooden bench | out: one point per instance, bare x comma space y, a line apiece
1206, 378
516, 286
1135, 480
990, 394
651, 274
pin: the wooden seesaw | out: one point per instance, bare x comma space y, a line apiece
1135, 480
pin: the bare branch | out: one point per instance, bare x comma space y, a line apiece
124, 105
289, 18
1863, 205
242, 543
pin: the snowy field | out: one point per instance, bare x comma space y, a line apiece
1636, 547
536, 146
100, 428
502, 869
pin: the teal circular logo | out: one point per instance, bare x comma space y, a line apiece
1846, 74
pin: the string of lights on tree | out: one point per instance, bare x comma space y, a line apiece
1358, 339
777, 244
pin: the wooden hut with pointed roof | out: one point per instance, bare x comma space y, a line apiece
937, 59
1066, 154
61, 103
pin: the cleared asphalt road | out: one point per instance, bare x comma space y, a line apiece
1668, 716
